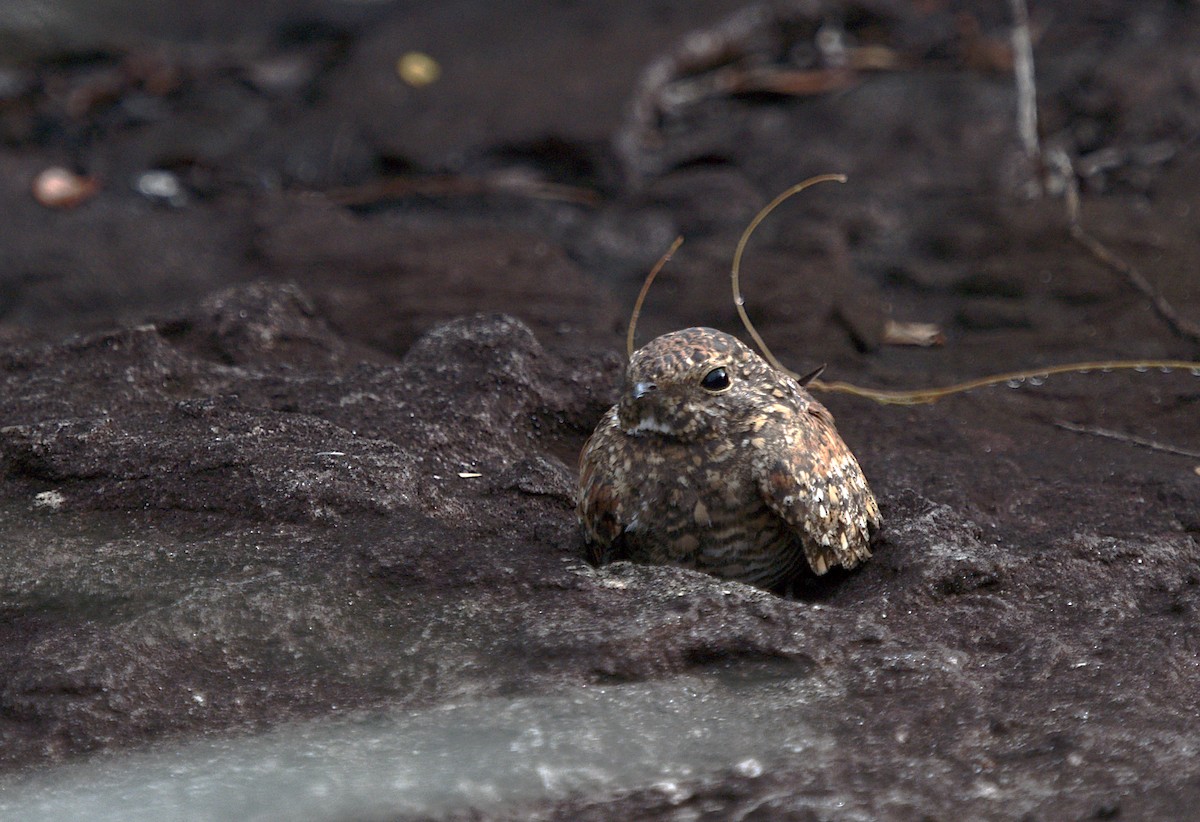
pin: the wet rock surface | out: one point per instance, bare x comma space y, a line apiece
296, 445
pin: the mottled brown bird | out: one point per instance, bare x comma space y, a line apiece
714, 460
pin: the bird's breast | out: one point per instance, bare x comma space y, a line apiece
700, 507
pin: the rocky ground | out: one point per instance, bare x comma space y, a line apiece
296, 436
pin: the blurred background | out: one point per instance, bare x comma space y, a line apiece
381, 153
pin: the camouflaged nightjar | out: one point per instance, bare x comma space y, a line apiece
714, 460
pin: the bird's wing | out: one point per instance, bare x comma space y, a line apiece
810, 479
602, 492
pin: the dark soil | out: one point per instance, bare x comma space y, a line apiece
349, 366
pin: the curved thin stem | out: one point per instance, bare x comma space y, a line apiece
920, 396
735, 275
641, 297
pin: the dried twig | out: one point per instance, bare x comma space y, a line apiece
1180, 325
1027, 121
696, 53
641, 297
739, 301
1061, 165
1164, 309
921, 396
1129, 438
885, 396
796, 83
739, 55
892, 397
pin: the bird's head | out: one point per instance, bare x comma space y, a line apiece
695, 383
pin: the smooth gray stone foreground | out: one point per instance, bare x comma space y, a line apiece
489, 755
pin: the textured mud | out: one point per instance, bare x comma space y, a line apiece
296, 443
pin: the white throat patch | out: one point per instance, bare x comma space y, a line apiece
648, 423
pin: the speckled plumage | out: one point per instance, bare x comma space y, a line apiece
745, 482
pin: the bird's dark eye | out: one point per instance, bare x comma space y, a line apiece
715, 380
